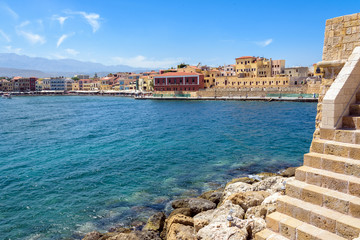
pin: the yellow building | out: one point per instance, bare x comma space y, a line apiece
251, 67
318, 71
251, 82
146, 83
189, 69
210, 77
75, 86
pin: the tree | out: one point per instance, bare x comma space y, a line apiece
182, 65
75, 78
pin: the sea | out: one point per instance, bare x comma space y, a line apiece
74, 164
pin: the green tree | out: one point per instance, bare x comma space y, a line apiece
75, 78
182, 65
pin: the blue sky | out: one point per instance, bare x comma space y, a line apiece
158, 34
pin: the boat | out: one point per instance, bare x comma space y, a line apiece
6, 96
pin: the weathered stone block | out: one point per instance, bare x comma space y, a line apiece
337, 204
309, 195
323, 222
317, 147
335, 184
313, 178
333, 166
334, 149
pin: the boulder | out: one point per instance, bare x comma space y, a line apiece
155, 222
213, 196
221, 230
272, 199
265, 175
219, 214
236, 188
248, 199
183, 211
179, 227
178, 231
252, 225
260, 211
181, 219
243, 179
272, 184
196, 205
136, 235
92, 236
289, 172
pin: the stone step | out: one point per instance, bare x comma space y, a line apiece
330, 180
354, 109
341, 135
333, 163
293, 229
327, 198
267, 234
326, 219
352, 122
348, 150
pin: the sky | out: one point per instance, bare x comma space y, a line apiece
160, 34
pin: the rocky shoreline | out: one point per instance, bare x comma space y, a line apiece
236, 211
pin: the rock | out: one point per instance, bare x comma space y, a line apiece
155, 222
257, 211
93, 236
213, 196
272, 184
272, 199
178, 231
219, 214
236, 188
260, 211
248, 199
265, 175
221, 230
179, 227
243, 179
136, 235
196, 205
181, 219
183, 211
289, 172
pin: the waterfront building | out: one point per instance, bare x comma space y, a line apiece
24, 84
297, 71
228, 70
57, 84
318, 71
6, 86
189, 69
210, 77
38, 85
75, 86
277, 67
68, 84
82, 76
251, 82
253, 67
82, 82
179, 81
46, 84
145, 83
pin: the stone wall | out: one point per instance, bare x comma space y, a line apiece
342, 35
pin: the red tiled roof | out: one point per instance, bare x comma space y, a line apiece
169, 74
244, 57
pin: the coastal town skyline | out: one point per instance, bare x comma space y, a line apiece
134, 34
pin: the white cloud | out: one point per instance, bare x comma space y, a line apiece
5, 36
264, 43
11, 12
32, 37
141, 61
10, 49
92, 18
62, 20
62, 38
72, 52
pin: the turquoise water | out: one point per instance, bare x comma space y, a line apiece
69, 165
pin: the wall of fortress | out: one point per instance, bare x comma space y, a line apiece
342, 35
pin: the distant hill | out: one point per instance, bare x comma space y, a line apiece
12, 64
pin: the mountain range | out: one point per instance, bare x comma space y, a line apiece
12, 64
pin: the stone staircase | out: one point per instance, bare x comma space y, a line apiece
323, 202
